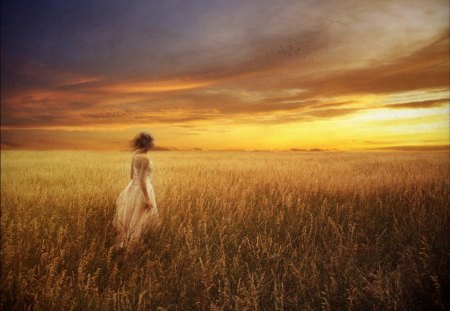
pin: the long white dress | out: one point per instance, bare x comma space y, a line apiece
132, 218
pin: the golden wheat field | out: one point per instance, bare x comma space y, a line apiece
240, 231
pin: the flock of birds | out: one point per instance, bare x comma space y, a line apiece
289, 50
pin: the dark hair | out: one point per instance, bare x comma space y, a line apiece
143, 141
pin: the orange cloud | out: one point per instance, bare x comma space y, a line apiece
262, 79
419, 104
424, 69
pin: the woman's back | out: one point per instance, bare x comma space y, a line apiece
141, 162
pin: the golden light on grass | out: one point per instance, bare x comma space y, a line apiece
240, 231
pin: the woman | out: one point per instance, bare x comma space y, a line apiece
136, 204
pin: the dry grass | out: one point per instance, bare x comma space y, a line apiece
240, 231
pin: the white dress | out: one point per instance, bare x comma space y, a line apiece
132, 218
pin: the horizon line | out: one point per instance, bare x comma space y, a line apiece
402, 148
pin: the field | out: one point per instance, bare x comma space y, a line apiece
240, 231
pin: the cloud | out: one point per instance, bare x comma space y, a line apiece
416, 148
99, 64
308, 150
376, 142
40, 139
426, 68
328, 113
419, 104
159, 41
145, 42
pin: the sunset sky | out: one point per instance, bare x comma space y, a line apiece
278, 75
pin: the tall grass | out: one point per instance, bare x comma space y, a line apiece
240, 231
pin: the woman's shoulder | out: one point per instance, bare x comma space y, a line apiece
141, 158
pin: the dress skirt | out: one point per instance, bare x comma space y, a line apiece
132, 218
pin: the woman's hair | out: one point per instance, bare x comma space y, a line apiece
143, 141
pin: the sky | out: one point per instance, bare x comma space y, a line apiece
225, 75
